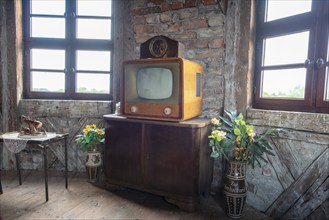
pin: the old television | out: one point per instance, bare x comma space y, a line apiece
167, 89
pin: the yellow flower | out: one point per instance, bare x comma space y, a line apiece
250, 130
86, 130
100, 132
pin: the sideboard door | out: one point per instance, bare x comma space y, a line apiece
172, 159
122, 156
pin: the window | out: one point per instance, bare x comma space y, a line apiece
68, 49
292, 53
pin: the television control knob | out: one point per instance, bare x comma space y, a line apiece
167, 111
133, 109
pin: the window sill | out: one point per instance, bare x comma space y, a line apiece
310, 122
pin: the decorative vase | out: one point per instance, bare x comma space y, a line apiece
235, 188
93, 165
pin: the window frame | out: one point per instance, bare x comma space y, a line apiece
309, 21
71, 45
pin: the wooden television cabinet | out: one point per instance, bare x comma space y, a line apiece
170, 159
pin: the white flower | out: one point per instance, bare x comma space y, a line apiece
214, 121
222, 134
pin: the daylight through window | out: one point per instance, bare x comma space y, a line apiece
68, 49
291, 69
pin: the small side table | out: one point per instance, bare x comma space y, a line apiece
42, 143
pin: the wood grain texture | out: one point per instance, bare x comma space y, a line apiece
312, 199
282, 172
83, 200
310, 179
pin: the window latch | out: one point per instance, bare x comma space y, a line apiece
308, 64
319, 63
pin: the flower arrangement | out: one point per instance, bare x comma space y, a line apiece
234, 139
90, 137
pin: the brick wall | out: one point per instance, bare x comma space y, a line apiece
199, 25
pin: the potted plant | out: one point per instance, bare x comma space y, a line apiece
89, 141
235, 140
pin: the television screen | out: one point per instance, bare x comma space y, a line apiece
154, 83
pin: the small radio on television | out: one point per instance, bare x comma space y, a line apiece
161, 85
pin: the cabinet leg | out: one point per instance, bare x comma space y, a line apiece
111, 186
188, 206
206, 193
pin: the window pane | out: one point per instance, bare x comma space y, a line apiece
94, 7
48, 27
94, 28
280, 9
93, 83
48, 82
288, 83
47, 59
286, 49
327, 85
55, 7
93, 60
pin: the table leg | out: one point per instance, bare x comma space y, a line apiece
65, 146
18, 169
0, 185
46, 169
0, 172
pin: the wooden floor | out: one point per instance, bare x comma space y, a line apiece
83, 200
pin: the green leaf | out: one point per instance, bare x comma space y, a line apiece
227, 122
214, 154
237, 131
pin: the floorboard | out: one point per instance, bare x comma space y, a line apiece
83, 200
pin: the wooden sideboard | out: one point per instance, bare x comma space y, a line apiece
170, 159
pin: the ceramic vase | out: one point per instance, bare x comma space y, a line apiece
235, 188
93, 165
